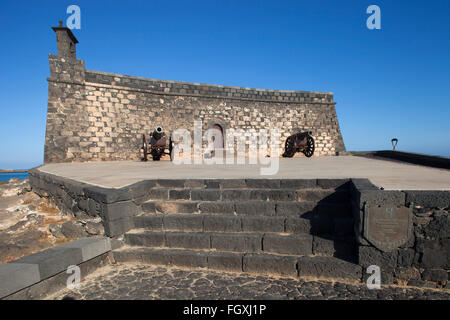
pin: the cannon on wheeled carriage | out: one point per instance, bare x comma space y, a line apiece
157, 145
299, 142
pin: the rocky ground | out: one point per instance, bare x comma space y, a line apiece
29, 223
144, 282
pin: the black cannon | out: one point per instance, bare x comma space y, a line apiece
157, 145
299, 142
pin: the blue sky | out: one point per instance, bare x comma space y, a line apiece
393, 82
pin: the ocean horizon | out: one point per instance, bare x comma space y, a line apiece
6, 176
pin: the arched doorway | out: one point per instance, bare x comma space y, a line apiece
218, 136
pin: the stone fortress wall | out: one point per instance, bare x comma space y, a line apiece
94, 115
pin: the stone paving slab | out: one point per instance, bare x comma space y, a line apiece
138, 282
390, 175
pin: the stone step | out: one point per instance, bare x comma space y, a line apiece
317, 195
250, 242
241, 223
234, 242
258, 263
337, 184
249, 207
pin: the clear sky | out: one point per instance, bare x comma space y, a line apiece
393, 82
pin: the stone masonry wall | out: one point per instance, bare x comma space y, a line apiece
94, 115
424, 260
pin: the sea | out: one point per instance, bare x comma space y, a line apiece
7, 176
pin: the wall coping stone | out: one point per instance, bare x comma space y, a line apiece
31, 269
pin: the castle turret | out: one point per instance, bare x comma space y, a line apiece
66, 41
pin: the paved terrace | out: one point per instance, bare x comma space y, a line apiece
390, 175
144, 282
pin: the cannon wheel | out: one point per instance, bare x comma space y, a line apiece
289, 149
170, 148
144, 148
309, 150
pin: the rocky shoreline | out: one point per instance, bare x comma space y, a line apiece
30, 223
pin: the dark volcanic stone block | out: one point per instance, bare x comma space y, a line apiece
16, 276
291, 244
119, 210
327, 267
179, 194
194, 183
182, 222
372, 256
405, 257
169, 183
434, 258
333, 210
222, 223
298, 183
339, 248
387, 261
149, 222
145, 239
273, 195
297, 225
155, 256
255, 208
362, 184
53, 261
239, 242
323, 195
225, 261
131, 255
205, 195
333, 183
107, 195
384, 198
263, 183
141, 189
118, 227
232, 184
295, 208
236, 195
187, 240
262, 223
270, 264
148, 207
189, 259
217, 207
158, 194
176, 207
212, 183
429, 199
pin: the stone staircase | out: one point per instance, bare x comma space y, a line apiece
293, 228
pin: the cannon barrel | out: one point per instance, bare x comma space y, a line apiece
158, 133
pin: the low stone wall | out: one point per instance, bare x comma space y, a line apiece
37, 275
410, 157
424, 259
116, 207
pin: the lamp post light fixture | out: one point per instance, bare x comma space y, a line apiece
394, 143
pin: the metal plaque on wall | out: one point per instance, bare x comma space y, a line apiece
387, 228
